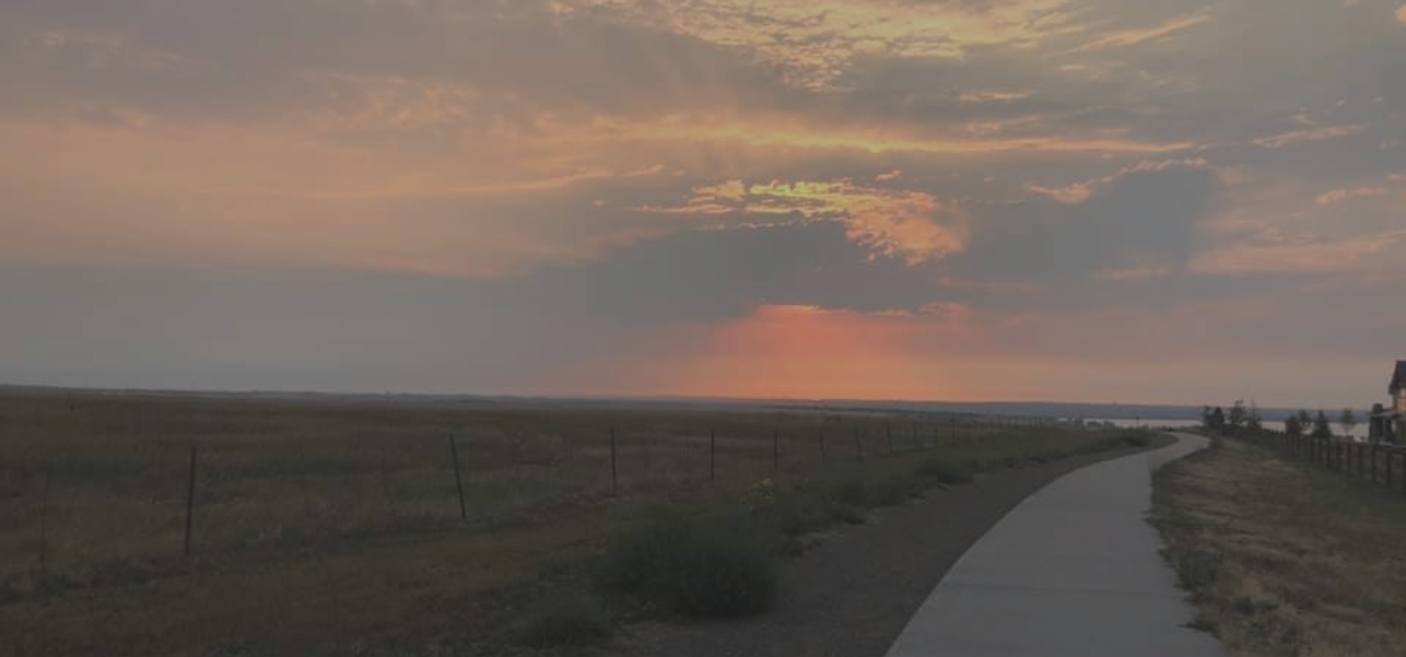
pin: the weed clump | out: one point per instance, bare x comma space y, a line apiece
712, 562
570, 619
944, 471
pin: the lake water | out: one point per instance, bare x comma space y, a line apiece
1360, 431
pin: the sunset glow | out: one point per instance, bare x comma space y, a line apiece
785, 198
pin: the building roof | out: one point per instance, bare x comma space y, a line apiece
1398, 378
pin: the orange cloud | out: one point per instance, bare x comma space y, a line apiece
1340, 195
1071, 195
1401, 14
1135, 36
1303, 256
1079, 192
977, 97
780, 132
915, 226
1296, 137
813, 42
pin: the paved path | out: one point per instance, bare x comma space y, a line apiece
1073, 571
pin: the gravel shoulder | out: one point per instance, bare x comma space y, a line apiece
852, 594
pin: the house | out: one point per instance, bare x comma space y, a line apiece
1389, 423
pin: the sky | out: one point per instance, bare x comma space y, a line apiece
1068, 200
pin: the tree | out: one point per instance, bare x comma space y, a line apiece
1238, 415
1206, 417
1292, 426
1305, 419
1320, 426
1252, 421
1348, 421
1218, 419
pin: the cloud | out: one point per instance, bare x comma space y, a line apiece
1303, 256
913, 226
1136, 36
1340, 195
759, 131
1401, 14
1304, 136
814, 42
1079, 192
1072, 194
993, 96
1143, 218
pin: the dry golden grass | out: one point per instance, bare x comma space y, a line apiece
325, 521
1284, 558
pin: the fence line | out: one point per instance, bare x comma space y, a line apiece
212, 481
1359, 460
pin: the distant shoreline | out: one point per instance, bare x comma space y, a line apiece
1044, 409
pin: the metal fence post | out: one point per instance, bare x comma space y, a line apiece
190, 500
614, 470
44, 525
820, 439
775, 452
458, 479
712, 454
858, 446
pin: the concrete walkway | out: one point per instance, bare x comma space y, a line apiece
1073, 571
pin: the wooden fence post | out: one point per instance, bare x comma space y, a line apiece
190, 500
820, 439
889, 430
858, 446
614, 469
1374, 463
917, 443
1391, 456
458, 479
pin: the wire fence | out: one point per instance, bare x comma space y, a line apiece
110, 505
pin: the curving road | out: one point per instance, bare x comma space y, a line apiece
1072, 571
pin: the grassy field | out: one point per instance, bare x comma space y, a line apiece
333, 522
1284, 558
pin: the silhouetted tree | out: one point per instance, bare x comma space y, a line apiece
1238, 415
1305, 419
1252, 420
1348, 421
1217, 419
1292, 426
1320, 426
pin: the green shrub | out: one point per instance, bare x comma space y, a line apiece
569, 619
894, 489
848, 491
944, 471
1136, 440
709, 562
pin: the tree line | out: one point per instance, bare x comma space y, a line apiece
1241, 417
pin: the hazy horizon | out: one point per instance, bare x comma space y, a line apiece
1189, 202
